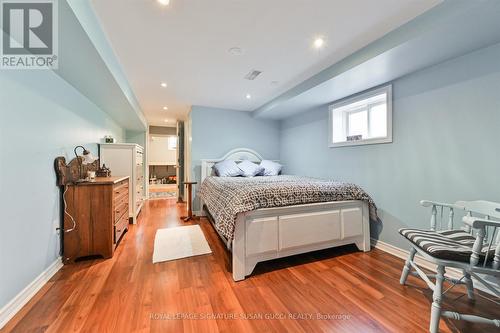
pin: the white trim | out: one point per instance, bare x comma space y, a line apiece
422, 262
20, 300
122, 145
146, 164
403, 254
361, 142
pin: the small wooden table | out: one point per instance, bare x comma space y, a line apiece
189, 186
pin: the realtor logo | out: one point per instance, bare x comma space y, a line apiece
29, 37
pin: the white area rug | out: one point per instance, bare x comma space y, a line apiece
179, 242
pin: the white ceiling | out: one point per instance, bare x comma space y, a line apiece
186, 45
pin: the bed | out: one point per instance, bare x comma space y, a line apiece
263, 218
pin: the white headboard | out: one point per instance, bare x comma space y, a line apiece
238, 154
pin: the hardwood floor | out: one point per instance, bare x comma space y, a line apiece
351, 291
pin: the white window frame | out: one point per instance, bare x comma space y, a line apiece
386, 139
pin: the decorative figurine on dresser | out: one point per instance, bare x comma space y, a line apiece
95, 209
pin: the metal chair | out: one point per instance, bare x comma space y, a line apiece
474, 249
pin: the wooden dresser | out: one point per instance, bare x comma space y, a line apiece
100, 211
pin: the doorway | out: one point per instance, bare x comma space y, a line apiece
162, 162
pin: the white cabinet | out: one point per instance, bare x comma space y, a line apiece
126, 159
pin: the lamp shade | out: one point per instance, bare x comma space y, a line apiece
88, 158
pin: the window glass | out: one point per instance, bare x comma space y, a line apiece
358, 123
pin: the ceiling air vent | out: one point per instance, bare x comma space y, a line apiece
252, 74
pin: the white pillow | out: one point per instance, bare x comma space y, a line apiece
271, 168
250, 169
227, 168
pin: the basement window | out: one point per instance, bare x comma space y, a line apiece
363, 119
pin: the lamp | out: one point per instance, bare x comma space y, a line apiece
84, 159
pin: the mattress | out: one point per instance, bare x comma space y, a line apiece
226, 197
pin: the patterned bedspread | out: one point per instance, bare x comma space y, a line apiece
225, 197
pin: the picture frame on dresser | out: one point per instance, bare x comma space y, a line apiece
127, 159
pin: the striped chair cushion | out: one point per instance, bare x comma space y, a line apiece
453, 245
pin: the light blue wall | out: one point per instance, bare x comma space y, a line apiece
217, 131
446, 143
136, 137
41, 117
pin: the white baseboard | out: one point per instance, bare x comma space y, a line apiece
422, 262
403, 254
16, 304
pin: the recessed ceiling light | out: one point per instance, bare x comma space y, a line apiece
164, 84
236, 51
164, 2
165, 108
319, 42
165, 120
248, 96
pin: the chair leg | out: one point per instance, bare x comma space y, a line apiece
436, 297
407, 266
469, 284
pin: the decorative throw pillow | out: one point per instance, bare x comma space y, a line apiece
271, 168
227, 168
250, 169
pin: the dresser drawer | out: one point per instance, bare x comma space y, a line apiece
120, 228
120, 190
121, 209
118, 201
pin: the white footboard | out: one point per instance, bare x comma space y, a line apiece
271, 233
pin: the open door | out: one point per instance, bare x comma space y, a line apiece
162, 162
180, 161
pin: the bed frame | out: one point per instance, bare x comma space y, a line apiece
270, 233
